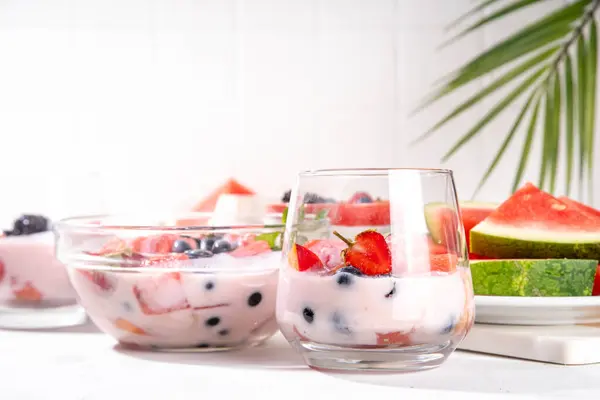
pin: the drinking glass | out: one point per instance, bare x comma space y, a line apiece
382, 281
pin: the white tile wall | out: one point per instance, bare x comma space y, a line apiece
111, 105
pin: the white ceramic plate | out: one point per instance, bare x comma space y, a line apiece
537, 310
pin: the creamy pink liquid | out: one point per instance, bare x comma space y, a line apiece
168, 308
374, 310
31, 269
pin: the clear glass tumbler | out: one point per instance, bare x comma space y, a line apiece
389, 288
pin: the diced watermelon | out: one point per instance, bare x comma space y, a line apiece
161, 294
231, 186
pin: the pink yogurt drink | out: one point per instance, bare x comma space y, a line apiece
34, 287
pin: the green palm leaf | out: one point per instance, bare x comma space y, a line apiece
566, 96
497, 84
493, 113
569, 122
503, 12
527, 146
507, 140
592, 58
581, 107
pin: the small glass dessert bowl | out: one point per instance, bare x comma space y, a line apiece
180, 285
394, 296
35, 292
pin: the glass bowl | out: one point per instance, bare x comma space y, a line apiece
394, 292
176, 284
34, 287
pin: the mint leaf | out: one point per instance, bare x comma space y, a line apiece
284, 215
272, 238
321, 214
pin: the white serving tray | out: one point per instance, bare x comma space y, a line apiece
563, 344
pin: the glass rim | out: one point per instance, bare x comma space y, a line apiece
87, 223
372, 171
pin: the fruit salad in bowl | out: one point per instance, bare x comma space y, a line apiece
171, 286
34, 287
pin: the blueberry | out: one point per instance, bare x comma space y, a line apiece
339, 323
344, 280
351, 270
222, 246
312, 198
286, 196
392, 292
364, 199
254, 299
207, 243
198, 253
29, 224
308, 314
224, 332
209, 286
181, 246
213, 321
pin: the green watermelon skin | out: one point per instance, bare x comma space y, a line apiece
492, 246
533, 278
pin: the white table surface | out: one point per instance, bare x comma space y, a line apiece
83, 364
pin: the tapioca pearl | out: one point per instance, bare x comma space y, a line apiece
224, 332
210, 285
213, 321
392, 291
203, 346
254, 299
308, 314
449, 326
340, 324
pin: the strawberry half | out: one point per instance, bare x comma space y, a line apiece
302, 259
369, 253
2, 271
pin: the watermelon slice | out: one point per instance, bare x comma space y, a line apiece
534, 224
231, 186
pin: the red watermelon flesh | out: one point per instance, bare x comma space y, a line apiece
347, 214
579, 206
231, 186
530, 207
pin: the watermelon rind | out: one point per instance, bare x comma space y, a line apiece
495, 241
533, 278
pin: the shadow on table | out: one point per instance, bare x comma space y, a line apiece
276, 353
471, 372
